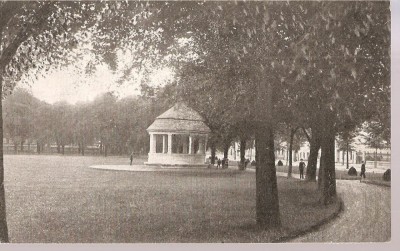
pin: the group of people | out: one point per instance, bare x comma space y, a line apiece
222, 163
302, 165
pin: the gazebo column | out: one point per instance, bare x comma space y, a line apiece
164, 142
190, 144
169, 143
201, 146
152, 143
185, 147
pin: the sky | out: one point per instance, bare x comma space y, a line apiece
66, 85
71, 84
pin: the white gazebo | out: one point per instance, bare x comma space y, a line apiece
178, 137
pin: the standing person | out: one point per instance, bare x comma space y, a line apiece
218, 163
131, 158
362, 174
301, 168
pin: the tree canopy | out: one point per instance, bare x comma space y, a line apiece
319, 65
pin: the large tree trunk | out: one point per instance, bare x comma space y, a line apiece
315, 145
290, 168
213, 151
3, 221
320, 171
267, 202
226, 149
242, 152
328, 179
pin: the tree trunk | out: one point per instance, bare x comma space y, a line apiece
22, 145
267, 202
342, 158
58, 148
242, 151
3, 220
213, 150
287, 156
79, 148
83, 149
15, 147
63, 148
226, 149
38, 148
290, 168
101, 148
315, 145
347, 156
320, 171
376, 158
328, 179
105, 150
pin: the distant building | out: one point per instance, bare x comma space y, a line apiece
358, 152
178, 137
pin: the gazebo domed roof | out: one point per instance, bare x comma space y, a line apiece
179, 118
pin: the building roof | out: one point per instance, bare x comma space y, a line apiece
179, 118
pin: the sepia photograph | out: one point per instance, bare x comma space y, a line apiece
195, 122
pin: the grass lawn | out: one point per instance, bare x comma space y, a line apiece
60, 199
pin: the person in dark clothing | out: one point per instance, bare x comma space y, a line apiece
131, 158
362, 174
301, 168
224, 163
218, 163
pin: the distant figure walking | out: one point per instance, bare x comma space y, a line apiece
219, 163
131, 158
301, 168
362, 174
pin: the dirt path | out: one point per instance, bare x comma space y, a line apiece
365, 218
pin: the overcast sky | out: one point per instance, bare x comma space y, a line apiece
67, 85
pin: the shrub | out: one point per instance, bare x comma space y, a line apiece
253, 163
280, 163
352, 171
386, 175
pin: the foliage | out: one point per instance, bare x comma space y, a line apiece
375, 135
118, 123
